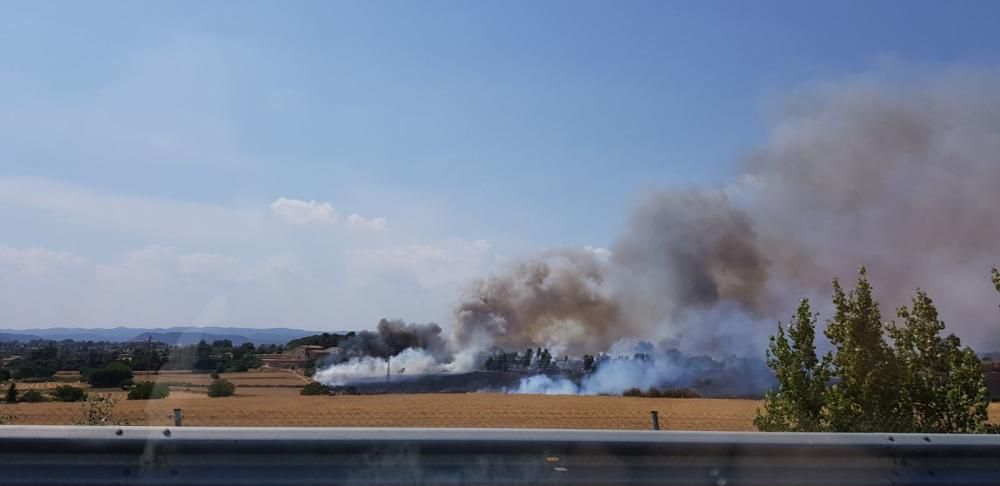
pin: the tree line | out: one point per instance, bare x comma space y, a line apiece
880, 376
40, 360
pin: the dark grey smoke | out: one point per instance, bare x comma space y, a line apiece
392, 337
900, 176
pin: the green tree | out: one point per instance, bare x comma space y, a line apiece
111, 375
942, 388
244, 363
996, 278
203, 350
242, 350
544, 360
797, 404
222, 343
221, 388
11, 396
68, 393
32, 396
315, 388
863, 398
148, 390
4, 374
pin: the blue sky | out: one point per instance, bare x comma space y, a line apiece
201, 162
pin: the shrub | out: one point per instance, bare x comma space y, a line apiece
221, 388
148, 390
68, 393
632, 392
99, 410
11, 395
315, 388
244, 363
111, 375
32, 396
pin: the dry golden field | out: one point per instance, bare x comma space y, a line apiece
272, 399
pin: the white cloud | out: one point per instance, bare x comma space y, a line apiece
356, 221
296, 211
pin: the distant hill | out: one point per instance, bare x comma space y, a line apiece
172, 335
8, 337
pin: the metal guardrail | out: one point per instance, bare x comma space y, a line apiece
56, 455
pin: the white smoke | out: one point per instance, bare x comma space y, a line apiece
902, 178
612, 376
411, 361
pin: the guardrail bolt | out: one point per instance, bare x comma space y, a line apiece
178, 417
656, 419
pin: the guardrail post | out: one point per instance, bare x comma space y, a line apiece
178, 417
656, 419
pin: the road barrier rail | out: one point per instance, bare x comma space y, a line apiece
81, 455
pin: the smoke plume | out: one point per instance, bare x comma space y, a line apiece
899, 176
902, 176
391, 337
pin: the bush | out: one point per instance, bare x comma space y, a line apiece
99, 410
32, 396
148, 390
111, 375
4, 374
632, 392
221, 388
68, 393
315, 388
244, 363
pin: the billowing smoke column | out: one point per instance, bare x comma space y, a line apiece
686, 256
409, 348
395, 336
900, 176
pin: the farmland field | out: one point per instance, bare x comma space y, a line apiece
272, 399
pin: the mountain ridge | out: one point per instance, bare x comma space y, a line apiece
179, 334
